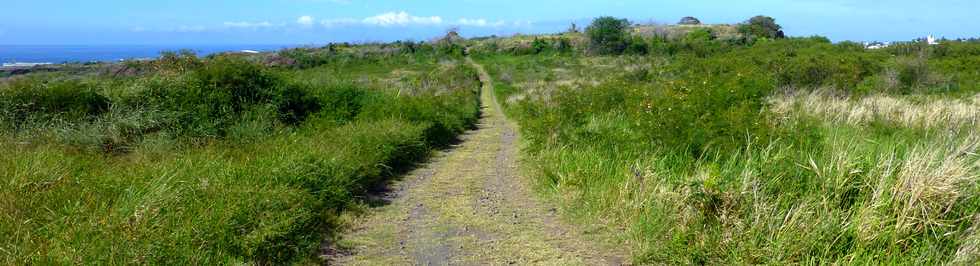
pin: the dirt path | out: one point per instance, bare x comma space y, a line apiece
470, 207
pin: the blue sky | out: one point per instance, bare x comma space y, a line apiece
322, 21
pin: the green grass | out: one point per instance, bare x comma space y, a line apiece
699, 150
219, 161
782, 152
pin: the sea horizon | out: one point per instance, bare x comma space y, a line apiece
82, 53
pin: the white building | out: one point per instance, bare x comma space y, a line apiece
876, 45
932, 40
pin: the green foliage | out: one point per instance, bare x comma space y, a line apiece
177, 62
637, 46
452, 49
214, 96
912, 72
762, 27
712, 105
564, 45
293, 149
42, 99
826, 65
699, 36
303, 58
696, 151
608, 35
540, 45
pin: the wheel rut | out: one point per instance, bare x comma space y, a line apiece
470, 206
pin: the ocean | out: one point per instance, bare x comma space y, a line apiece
33, 54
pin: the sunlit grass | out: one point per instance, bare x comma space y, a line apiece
869, 175
136, 184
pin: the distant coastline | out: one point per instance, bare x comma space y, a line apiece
19, 56
20, 64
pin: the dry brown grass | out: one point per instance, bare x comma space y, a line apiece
969, 251
941, 113
932, 180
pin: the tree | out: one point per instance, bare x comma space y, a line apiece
690, 21
762, 27
608, 35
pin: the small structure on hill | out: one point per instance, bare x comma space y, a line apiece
931, 40
876, 45
452, 36
689, 21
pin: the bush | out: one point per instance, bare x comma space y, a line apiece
564, 45
912, 72
707, 106
190, 99
216, 94
302, 58
762, 27
699, 36
638, 46
540, 45
45, 97
608, 35
177, 62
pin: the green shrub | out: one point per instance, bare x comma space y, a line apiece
303, 58
177, 62
762, 27
295, 104
711, 104
564, 45
540, 45
216, 94
699, 36
637, 46
608, 35
49, 97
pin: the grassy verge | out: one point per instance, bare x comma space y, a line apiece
215, 161
734, 156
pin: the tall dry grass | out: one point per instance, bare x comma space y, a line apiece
839, 108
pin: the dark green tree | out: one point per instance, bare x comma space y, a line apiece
689, 21
762, 27
608, 35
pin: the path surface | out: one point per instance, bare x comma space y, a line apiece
470, 207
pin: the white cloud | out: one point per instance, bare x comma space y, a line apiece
305, 21
401, 19
388, 19
480, 23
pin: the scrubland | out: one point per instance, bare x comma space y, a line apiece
707, 150
221, 160
728, 144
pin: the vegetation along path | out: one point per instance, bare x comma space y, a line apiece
469, 207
